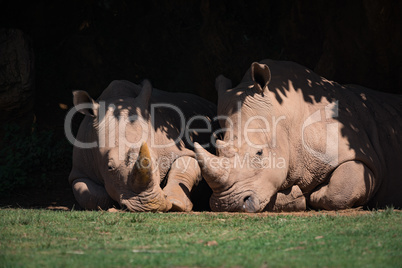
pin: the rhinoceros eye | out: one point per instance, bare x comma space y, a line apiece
259, 153
111, 166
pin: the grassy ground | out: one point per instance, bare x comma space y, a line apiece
43, 238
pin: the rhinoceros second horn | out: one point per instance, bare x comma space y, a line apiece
210, 166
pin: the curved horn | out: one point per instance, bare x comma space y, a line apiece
212, 167
143, 168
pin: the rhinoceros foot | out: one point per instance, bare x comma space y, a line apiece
291, 199
179, 198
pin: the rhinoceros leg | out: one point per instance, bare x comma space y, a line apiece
291, 199
351, 184
183, 175
91, 195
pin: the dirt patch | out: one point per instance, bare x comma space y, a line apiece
308, 213
346, 212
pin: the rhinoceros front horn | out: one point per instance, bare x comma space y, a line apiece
142, 172
212, 168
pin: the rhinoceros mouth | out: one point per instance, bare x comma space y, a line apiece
146, 202
241, 201
251, 204
235, 202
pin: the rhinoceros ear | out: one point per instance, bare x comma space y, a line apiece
145, 94
84, 103
222, 84
261, 75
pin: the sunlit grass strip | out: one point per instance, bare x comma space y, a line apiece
100, 239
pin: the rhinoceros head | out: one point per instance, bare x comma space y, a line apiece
122, 158
252, 161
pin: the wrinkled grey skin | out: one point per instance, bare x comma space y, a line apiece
337, 158
103, 176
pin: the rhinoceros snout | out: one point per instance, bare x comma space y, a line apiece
251, 204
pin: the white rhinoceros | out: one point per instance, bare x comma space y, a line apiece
139, 139
288, 129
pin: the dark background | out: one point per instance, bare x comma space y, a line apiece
181, 46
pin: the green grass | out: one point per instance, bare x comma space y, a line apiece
42, 238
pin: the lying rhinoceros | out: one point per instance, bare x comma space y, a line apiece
134, 139
288, 129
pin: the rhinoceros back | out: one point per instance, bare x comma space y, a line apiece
386, 110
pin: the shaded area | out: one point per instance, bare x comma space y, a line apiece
57, 195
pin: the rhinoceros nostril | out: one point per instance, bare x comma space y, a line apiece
251, 204
246, 198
